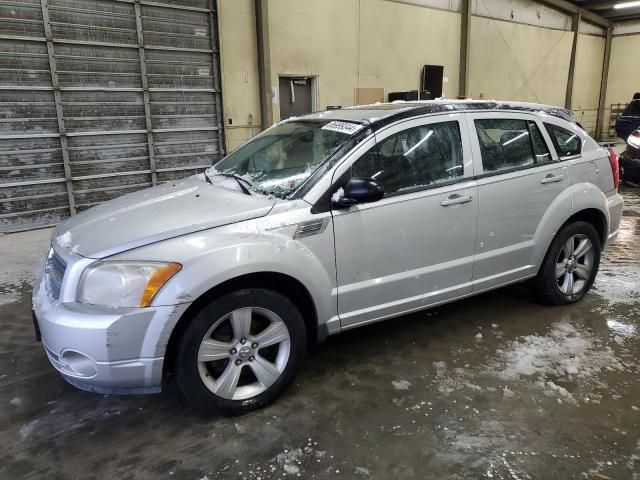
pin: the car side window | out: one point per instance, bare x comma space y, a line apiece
510, 143
567, 143
414, 158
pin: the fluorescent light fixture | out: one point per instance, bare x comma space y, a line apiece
618, 6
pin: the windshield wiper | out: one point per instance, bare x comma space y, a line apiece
238, 179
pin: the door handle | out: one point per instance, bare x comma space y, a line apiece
456, 199
551, 178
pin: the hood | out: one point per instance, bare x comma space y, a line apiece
154, 214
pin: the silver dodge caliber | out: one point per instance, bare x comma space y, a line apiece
318, 225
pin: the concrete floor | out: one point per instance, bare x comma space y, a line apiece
491, 387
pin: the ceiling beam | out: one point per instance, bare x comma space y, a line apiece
568, 7
628, 18
599, 4
622, 13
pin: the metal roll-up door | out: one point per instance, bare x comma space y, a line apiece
99, 98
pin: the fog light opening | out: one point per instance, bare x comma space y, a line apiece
79, 363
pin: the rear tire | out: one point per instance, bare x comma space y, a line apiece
570, 266
240, 352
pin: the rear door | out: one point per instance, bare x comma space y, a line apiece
414, 247
519, 180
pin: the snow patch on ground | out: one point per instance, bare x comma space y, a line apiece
291, 460
508, 393
618, 286
63, 419
564, 353
363, 472
447, 381
566, 364
23, 252
401, 384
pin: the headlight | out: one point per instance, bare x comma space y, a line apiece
124, 284
634, 139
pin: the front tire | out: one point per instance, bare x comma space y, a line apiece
570, 266
240, 352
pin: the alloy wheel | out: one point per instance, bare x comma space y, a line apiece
574, 264
244, 353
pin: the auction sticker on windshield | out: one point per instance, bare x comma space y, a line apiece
342, 127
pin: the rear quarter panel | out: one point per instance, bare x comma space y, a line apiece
590, 179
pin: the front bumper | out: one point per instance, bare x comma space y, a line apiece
103, 349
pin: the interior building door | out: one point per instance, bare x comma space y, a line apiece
295, 97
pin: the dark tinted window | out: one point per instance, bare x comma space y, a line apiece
510, 143
414, 158
567, 143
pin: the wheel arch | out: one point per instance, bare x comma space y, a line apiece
595, 217
284, 284
581, 201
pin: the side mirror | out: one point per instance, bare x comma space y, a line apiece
358, 190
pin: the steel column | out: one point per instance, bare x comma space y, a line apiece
465, 36
568, 98
145, 94
217, 74
264, 62
603, 84
58, 101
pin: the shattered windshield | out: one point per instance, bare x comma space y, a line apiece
281, 158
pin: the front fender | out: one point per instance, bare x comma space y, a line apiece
577, 197
213, 257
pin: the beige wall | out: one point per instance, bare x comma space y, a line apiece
239, 63
511, 61
396, 40
351, 43
624, 74
588, 74
624, 69
379, 43
320, 38
588, 78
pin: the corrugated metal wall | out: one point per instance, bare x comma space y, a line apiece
102, 97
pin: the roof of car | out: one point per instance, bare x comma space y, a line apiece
380, 114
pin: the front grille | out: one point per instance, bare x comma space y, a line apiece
56, 267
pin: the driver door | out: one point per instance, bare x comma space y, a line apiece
414, 247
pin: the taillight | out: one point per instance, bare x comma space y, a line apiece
615, 166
